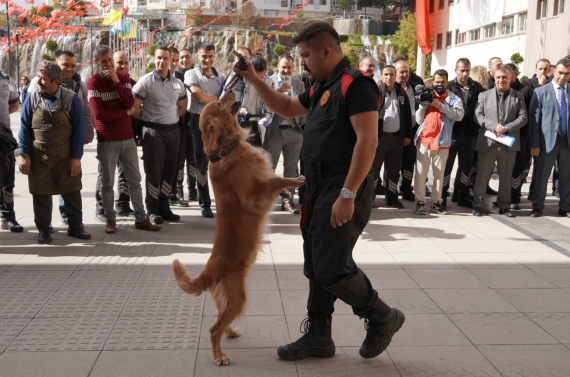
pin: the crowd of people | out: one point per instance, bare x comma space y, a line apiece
485, 118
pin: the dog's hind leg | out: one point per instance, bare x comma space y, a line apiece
235, 301
221, 302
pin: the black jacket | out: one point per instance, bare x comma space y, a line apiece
526, 91
467, 126
533, 83
404, 111
490, 81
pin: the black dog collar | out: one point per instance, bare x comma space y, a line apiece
223, 153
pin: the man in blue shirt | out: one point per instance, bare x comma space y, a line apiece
51, 146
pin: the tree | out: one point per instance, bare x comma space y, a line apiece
53, 49
517, 59
279, 50
345, 5
193, 17
246, 16
405, 40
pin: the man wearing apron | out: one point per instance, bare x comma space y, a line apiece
51, 146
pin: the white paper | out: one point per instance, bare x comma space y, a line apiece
477, 13
503, 139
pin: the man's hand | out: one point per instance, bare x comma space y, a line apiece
435, 102
110, 73
342, 211
542, 79
534, 152
407, 141
130, 111
284, 88
25, 164
75, 166
500, 129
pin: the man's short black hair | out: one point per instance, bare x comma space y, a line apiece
564, 61
245, 48
463, 61
494, 58
399, 59
388, 66
285, 56
206, 46
441, 73
259, 63
173, 50
544, 60
317, 35
69, 54
163, 48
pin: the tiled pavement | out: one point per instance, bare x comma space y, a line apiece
482, 297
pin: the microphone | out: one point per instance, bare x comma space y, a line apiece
419, 88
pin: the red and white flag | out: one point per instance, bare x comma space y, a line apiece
423, 33
29, 1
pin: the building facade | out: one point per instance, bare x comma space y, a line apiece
501, 39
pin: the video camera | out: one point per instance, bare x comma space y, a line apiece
424, 93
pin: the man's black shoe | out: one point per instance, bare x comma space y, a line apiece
379, 332
408, 195
536, 213
490, 191
155, 218
506, 211
316, 342
193, 195
44, 236
207, 212
454, 197
394, 203
176, 202
50, 228
514, 206
101, 217
563, 213
125, 211
568, 214
12, 226
465, 203
78, 233
169, 216
476, 211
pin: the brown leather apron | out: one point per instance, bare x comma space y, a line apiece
50, 153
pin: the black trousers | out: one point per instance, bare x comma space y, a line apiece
517, 178
389, 153
160, 155
329, 265
462, 147
201, 163
7, 179
124, 199
408, 165
43, 207
185, 154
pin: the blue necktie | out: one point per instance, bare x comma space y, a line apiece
563, 109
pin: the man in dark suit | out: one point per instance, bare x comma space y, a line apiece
502, 111
549, 137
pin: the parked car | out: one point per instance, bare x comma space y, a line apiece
364, 17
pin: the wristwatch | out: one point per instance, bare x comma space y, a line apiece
347, 194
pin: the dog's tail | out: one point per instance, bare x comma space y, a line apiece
185, 281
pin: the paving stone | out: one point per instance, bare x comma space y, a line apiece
9, 329
15, 304
63, 334
145, 363
98, 302
47, 364
114, 254
116, 279
155, 333
38, 281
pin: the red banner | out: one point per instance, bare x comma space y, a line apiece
423, 33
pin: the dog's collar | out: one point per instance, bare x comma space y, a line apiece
223, 153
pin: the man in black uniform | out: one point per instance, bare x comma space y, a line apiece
339, 143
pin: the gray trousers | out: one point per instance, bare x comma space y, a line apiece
505, 159
543, 164
289, 141
125, 152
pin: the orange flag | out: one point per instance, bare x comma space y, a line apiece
423, 33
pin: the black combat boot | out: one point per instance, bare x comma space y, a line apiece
379, 332
316, 342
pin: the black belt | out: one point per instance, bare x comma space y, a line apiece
327, 167
285, 126
397, 133
159, 126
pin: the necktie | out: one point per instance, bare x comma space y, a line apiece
563, 112
501, 107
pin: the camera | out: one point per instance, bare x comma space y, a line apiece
424, 93
242, 63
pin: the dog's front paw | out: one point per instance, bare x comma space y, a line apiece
285, 194
232, 332
300, 180
223, 359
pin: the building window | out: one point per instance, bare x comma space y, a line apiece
475, 35
522, 21
490, 31
284, 4
441, 4
451, 2
541, 9
559, 6
448, 39
459, 37
439, 44
323, 2
431, 5
271, 13
508, 25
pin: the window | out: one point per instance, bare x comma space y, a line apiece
459, 37
522, 22
431, 5
441, 4
284, 4
559, 6
490, 31
475, 35
451, 2
271, 13
448, 39
508, 25
541, 9
439, 44
323, 2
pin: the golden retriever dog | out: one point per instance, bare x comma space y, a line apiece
245, 188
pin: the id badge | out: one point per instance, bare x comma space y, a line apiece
176, 86
10, 87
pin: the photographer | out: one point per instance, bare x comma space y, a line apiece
436, 119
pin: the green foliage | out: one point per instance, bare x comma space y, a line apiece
48, 57
356, 41
279, 50
152, 49
273, 63
351, 55
345, 5
51, 45
516, 59
405, 40
195, 19
53, 51
343, 38
523, 78
150, 67
300, 13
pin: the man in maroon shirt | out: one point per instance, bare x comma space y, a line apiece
111, 101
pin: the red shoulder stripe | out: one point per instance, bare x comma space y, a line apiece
311, 92
345, 80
